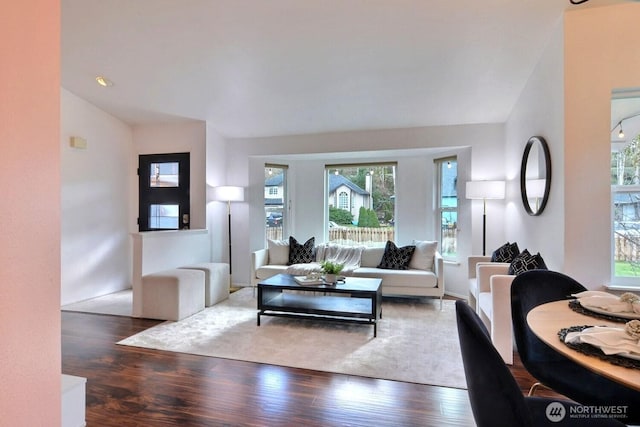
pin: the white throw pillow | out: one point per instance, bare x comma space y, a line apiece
371, 257
278, 252
422, 258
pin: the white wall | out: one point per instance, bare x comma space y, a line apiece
95, 242
187, 137
539, 111
567, 100
216, 175
307, 155
100, 193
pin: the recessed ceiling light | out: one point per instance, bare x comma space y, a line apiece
103, 81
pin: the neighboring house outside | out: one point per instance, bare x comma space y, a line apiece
343, 194
627, 210
274, 194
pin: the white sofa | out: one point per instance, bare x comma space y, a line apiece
490, 296
427, 282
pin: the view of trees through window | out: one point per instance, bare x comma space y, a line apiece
361, 203
625, 189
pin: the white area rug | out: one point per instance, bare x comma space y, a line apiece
416, 341
115, 304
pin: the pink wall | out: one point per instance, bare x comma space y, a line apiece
30, 225
601, 46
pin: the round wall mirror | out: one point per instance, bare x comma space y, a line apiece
535, 175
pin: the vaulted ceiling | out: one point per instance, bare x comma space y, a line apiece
276, 67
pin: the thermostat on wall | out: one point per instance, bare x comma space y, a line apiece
77, 142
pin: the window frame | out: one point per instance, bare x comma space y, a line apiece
363, 172
440, 209
284, 210
343, 200
623, 281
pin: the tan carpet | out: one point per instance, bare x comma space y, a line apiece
416, 341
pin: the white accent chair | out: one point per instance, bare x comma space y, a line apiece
490, 296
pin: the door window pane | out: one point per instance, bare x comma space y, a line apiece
164, 216
165, 174
163, 191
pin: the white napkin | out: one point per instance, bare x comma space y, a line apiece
609, 339
606, 301
593, 294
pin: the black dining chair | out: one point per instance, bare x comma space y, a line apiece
496, 399
552, 369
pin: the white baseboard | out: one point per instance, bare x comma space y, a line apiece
240, 285
455, 295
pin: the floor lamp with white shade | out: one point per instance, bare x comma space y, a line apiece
484, 190
228, 193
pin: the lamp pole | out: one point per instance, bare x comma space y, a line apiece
229, 224
484, 226
228, 194
485, 190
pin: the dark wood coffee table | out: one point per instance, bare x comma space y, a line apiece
359, 300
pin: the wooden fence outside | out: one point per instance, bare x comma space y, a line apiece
274, 233
348, 235
627, 246
372, 236
368, 236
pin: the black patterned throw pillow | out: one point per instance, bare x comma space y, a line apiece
505, 253
395, 258
525, 262
301, 253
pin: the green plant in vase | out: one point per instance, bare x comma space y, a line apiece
331, 270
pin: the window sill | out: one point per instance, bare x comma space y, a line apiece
612, 287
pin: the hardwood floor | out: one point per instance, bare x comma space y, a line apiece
130, 386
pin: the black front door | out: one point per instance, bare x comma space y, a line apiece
163, 191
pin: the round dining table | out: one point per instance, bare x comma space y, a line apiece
548, 319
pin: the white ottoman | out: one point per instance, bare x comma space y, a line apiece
172, 294
217, 281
